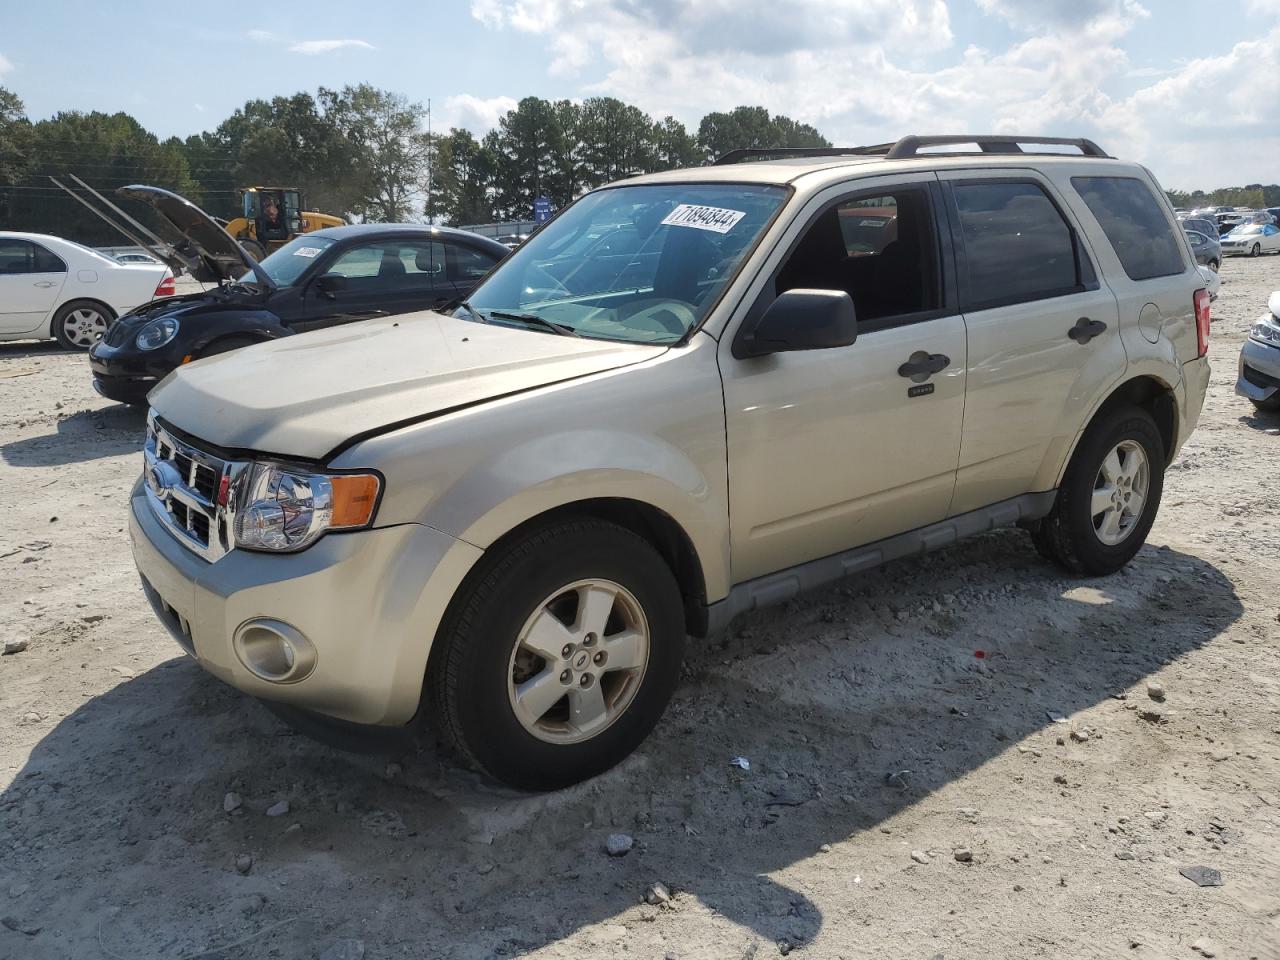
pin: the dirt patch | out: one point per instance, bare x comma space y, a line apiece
965, 754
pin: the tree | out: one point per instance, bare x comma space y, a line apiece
673, 146
745, 127
464, 173
105, 150
616, 140
534, 158
389, 148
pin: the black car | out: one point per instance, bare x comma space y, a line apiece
320, 279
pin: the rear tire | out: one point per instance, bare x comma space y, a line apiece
79, 324
254, 249
606, 609
1214, 265
1093, 528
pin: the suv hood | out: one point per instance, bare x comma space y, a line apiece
199, 246
307, 395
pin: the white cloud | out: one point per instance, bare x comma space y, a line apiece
473, 113
313, 47
1064, 14
261, 36
866, 71
5, 65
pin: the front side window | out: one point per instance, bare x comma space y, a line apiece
881, 250
394, 265
643, 263
1135, 223
1017, 246
288, 263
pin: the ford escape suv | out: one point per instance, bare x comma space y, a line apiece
799, 365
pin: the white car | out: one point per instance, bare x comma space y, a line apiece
50, 287
1251, 239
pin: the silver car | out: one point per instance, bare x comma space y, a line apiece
1207, 249
1259, 378
508, 518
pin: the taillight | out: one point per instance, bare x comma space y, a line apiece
1201, 301
167, 287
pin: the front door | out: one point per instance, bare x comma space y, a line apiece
31, 278
833, 449
1043, 333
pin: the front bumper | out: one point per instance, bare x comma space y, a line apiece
1259, 378
125, 373
369, 601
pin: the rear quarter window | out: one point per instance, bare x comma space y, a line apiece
1135, 224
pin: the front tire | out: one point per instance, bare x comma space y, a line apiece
1255, 250
559, 655
1271, 405
254, 249
1214, 265
1109, 495
79, 324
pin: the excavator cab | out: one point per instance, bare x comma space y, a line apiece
260, 233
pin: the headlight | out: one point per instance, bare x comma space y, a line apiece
282, 509
1267, 329
156, 334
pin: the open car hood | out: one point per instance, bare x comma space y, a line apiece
199, 246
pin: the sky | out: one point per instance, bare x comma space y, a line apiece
1191, 88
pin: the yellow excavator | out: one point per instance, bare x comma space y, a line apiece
272, 216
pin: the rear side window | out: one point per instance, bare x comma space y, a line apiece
1017, 246
471, 264
46, 261
1135, 223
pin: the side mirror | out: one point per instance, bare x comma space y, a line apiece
330, 284
799, 320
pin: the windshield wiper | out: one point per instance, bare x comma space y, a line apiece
533, 318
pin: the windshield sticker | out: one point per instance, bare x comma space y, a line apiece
716, 219
308, 252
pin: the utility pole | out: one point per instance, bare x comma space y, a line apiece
431, 151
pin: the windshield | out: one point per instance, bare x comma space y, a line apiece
1246, 231
288, 263
640, 263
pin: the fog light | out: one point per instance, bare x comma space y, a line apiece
274, 651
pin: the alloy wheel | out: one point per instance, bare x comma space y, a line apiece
578, 661
1120, 492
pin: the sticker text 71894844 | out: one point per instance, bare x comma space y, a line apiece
716, 219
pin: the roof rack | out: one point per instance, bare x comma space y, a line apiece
909, 148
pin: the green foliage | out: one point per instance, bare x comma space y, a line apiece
361, 153
1255, 195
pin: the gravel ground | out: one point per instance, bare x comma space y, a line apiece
909, 793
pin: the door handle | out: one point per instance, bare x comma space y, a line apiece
1086, 329
920, 366
44, 283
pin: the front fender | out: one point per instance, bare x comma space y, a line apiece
651, 432
262, 324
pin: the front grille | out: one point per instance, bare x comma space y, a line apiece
187, 489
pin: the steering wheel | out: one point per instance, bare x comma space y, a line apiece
679, 315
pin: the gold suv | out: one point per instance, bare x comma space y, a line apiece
689, 395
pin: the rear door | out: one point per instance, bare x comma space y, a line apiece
1042, 330
467, 266
31, 278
